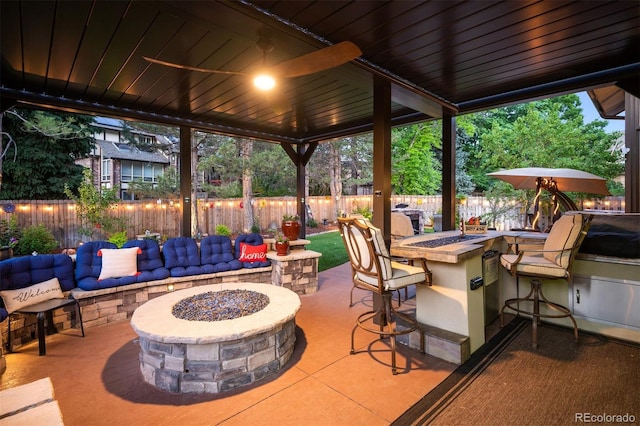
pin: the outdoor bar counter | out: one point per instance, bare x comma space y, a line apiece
460, 304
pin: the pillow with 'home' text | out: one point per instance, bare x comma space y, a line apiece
250, 253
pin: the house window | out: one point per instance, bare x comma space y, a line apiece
112, 136
157, 172
106, 171
138, 171
126, 171
148, 173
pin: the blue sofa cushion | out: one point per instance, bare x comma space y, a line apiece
181, 257
254, 240
89, 264
150, 264
21, 272
216, 254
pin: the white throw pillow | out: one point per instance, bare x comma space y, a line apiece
14, 300
118, 262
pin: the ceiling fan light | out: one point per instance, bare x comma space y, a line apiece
264, 82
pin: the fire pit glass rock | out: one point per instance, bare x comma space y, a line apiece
220, 305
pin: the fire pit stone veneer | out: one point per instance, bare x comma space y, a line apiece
183, 356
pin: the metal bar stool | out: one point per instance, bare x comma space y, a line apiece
554, 261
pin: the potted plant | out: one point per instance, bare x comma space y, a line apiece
281, 244
9, 236
290, 226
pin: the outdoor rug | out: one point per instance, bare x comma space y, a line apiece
506, 382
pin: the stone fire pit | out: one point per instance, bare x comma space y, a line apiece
212, 356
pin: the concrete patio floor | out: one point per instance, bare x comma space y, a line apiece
97, 379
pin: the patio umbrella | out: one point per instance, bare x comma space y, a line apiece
556, 181
566, 180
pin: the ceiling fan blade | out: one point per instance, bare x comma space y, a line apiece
320, 60
190, 68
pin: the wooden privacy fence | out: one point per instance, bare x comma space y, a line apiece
164, 217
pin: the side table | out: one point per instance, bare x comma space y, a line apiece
44, 311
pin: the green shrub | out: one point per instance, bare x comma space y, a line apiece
255, 229
36, 238
312, 223
364, 211
119, 238
223, 230
9, 232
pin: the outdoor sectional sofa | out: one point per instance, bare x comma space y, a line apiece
100, 300
180, 257
101, 265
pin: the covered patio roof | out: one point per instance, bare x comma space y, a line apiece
466, 56
439, 59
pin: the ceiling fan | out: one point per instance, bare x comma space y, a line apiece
310, 63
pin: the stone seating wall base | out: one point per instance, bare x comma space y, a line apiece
105, 306
297, 272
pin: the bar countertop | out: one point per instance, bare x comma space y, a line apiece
457, 248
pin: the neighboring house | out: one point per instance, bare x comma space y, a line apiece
116, 162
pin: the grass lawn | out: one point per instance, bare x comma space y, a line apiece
332, 248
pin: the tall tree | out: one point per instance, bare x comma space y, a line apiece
357, 161
414, 167
551, 133
42, 149
246, 149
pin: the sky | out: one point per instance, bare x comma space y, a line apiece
591, 114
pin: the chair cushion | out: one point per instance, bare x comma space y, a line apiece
395, 275
150, 264
89, 266
564, 234
403, 275
88, 263
380, 247
216, 254
181, 257
23, 271
534, 266
401, 225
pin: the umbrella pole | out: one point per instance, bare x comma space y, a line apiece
536, 205
566, 201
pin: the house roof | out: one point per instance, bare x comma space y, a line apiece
124, 151
459, 56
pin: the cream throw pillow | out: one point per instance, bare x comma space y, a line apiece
118, 262
14, 300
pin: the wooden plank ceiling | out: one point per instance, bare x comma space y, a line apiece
464, 56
